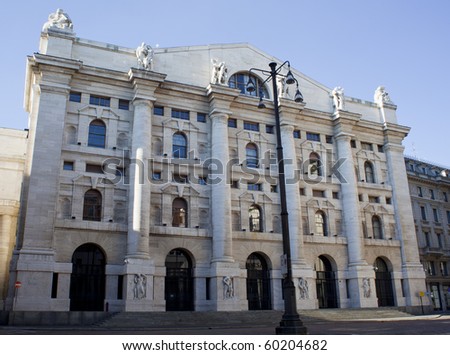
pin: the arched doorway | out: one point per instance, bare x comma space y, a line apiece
258, 283
179, 281
326, 283
383, 284
87, 282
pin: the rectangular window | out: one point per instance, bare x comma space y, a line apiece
315, 137
235, 184
329, 139
120, 171
270, 129
55, 285
432, 194
419, 191
158, 111
448, 217
302, 191
202, 180
201, 117
273, 188
124, 104
429, 265
182, 115
444, 269
251, 126
388, 200
435, 215
336, 195
94, 168
120, 287
75, 96
207, 288
366, 146
254, 187
181, 179
423, 213
445, 196
374, 199
100, 101
427, 239
318, 193
68, 165
353, 143
156, 175
380, 148
440, 240
296, 134
232, 123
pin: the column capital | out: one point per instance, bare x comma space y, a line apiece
145, 83
219, 116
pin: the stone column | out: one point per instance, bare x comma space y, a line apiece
293, 193
357, 270
350, 205
220, 190
138, 268
222, 261
412, 269
139, 190
49, 87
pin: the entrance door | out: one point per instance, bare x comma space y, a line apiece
179, 282
383, 284
326, 284
258, 283
87, 282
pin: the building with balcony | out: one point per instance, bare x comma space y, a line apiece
429, 185
153, 185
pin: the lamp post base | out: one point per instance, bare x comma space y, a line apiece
291, 325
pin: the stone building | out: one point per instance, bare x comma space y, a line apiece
153, 184
429, 185
13, 145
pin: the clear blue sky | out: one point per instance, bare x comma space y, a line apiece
356, 44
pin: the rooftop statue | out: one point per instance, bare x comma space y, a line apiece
144, 54
338, 98
58, 20
381, 96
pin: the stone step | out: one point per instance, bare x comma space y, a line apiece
250, 318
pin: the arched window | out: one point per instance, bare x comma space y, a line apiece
255, 218
321, 224
240, 81
92, 207
376, 228
315, 165
369, 172
97, 134
251, 155
179, 146
179, 213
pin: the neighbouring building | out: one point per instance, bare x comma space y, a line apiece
13, 144
429, 185
152, 184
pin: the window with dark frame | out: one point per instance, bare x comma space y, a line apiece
180, 114
201, 117
100, 100
92, 206
158, 111
124, 104
75, 96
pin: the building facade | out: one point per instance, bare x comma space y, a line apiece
153, 185
13, 145
429, 186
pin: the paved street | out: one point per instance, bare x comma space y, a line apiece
421, 325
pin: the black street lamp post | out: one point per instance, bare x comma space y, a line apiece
290, 322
